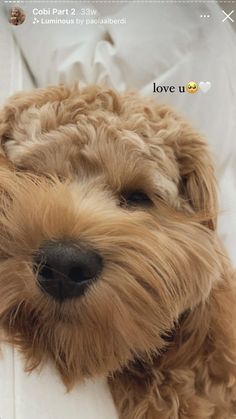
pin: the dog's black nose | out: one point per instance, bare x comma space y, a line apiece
66, 269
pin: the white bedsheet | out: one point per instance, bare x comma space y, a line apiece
41, 395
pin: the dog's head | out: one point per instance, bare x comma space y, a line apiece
107, 210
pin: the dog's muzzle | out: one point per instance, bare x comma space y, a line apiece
67, 269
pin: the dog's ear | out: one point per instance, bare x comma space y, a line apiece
197, 178
195, 168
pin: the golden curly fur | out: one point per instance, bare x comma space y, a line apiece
159, 323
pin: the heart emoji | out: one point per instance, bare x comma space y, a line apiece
204, 86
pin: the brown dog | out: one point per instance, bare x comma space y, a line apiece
110, 263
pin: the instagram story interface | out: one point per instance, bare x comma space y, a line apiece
117, 209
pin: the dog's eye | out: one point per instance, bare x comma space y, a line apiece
135, 198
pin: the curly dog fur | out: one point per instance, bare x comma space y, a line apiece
159, 322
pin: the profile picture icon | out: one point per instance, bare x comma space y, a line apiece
17, 16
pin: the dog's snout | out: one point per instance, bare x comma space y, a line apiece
65, 269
